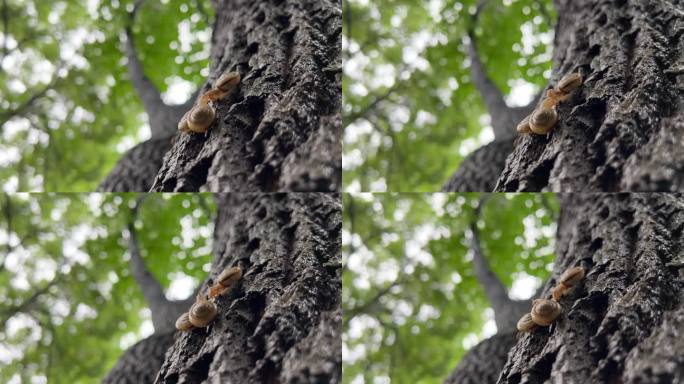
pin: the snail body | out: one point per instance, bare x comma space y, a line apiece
202, 312
526, 324
201, 116
183, 323
544, 311
225, 281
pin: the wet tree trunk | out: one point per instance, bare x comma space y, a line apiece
624, 129
279, 131
283, 321
624, 322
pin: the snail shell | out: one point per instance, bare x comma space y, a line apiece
544, 311
183, 123
543, 120
569, 83
202, 312
201, 117
526, 324
229, 276
572, 276
524, 125
228, 81
183, 323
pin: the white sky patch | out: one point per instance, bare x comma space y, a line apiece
489, 327
181, 287
521, 94
179, 90
84, 312
524, 286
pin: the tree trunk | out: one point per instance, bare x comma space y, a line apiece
135, 171
282, 323
479, 171
623, 129
483, 362
280, 129
140, 363
623, 323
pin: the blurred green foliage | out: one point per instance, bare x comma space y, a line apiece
70, 306
410, 109
67, 108
411, 301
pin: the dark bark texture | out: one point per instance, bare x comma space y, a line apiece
140, 363
624, 323
136, 170
479, 171
282, 323
623, 129
483, 362
279, 130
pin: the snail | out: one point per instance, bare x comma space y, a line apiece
526, 324
228, 81
183, 323
200, 117
544, 311
568, 279
572, 276
524, 125
543, 120
545, 116
569, 83
225, 281
202, 312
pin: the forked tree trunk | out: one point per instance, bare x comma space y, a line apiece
282, 323
624, 129
279, 131
624, 322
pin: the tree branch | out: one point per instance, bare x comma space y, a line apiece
506, 311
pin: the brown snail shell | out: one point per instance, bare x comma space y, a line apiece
183, 323
183, 123
572, 276
544, 311
569, 83
228, 81
526, 324
229, 276
201, 117
543, 120
524, 125
202, 312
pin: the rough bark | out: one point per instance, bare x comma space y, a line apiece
279, 131
136, 169
282, 323
479, 171
137, 364
483, 362
624, 322
623, 130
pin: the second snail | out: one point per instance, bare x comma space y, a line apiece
204, 310
545, 311
542, 120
